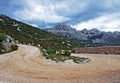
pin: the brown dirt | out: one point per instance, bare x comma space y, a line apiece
27, 66
99, 50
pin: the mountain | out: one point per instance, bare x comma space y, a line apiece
62, 27
26, 34
93, 37
64, 30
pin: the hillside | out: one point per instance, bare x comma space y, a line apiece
93, 37
26, 34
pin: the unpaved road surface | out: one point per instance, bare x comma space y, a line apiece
26, 65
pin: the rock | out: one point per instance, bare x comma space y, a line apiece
8, 43
7, 46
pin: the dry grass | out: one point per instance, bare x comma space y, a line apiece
26, 66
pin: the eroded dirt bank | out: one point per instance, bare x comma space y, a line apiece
27, 66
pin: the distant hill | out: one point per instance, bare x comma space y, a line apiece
26, 34
93, 37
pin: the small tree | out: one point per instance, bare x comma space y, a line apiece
2, 37
67, 53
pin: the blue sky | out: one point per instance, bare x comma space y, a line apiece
101, 14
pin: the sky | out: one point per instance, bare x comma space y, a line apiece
101, 14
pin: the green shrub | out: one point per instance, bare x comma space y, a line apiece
67, 53
14, 47
50, 51
2, 37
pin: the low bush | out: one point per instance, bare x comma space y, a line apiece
67, 53
50, 51
2, 37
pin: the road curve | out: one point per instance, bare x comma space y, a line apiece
26, 65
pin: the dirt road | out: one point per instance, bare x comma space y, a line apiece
26, 65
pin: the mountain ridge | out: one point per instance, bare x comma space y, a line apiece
93, 37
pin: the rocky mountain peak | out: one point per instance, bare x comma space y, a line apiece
62, 27
91, 31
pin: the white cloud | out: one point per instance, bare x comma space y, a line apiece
73, 11
36, 10
112, 3
110, 22
70, 8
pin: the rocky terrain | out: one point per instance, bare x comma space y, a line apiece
8, 44
26, 65
93, 37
